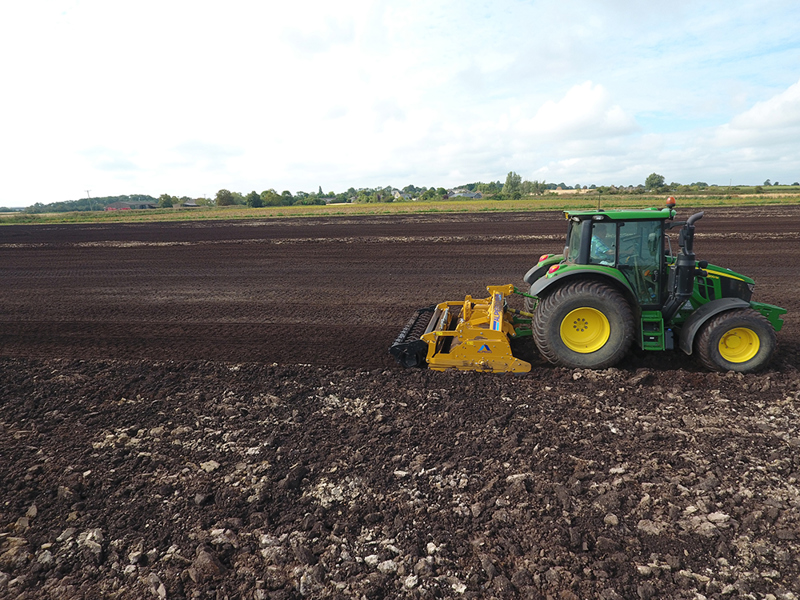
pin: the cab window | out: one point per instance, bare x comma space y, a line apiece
640, 252
573, 248
603, 249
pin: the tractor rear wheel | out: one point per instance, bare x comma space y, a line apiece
586, 324
737, 340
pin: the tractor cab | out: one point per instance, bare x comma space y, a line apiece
631, 242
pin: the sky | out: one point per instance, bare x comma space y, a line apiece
120, 97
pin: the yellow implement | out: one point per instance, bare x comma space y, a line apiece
472, 335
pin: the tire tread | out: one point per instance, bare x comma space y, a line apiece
548, 306
705, 347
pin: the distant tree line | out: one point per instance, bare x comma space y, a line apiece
85, 204
514, 188
657, 183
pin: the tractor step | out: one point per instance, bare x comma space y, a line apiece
653, 334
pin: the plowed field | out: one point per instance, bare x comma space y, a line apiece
208, 410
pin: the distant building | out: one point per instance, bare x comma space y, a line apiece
130, 206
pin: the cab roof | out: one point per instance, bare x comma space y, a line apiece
643, 214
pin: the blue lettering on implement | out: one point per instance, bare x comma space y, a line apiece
497, 311
485, 348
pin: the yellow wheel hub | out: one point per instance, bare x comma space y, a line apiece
585, 330
739, 345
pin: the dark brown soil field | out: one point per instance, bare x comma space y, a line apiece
208, 410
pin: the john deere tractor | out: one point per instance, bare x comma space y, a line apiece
617, 283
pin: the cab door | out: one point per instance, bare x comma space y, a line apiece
640, 259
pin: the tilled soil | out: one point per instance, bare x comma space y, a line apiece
208, 410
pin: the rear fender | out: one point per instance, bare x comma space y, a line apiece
541, 268
698, 318
544, 285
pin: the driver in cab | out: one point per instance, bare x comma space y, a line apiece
603, 247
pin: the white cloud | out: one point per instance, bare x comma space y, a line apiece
770, 122
585, 112
306, 41
108, 159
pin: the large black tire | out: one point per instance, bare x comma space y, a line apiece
586, 324
741, 340
529, 304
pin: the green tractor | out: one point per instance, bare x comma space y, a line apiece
618, 282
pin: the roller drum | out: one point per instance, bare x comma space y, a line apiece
408, 349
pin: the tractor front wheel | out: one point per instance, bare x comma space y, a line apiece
738, 340
586, 324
